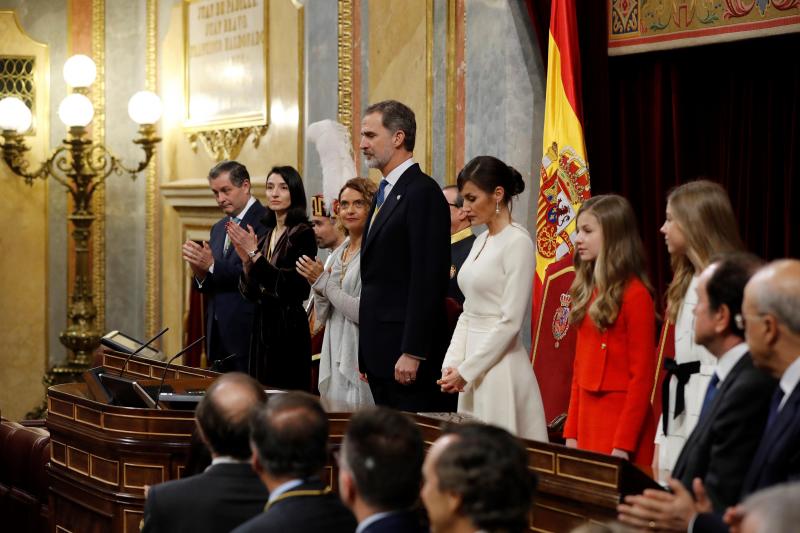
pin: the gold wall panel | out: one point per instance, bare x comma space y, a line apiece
399, 62
184, 194
23, 274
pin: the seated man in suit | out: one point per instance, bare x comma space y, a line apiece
380, 471
771, 320
477, 479
289, 439
735, 408
228, 493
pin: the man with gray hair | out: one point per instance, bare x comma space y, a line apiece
772, 510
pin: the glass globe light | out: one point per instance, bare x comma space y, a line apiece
79, 71
15, 115
144, 107
76, 110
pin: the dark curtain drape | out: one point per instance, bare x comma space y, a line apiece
729, 112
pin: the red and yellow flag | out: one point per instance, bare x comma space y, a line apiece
564, 172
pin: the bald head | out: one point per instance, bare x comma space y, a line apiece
223, 414
771, 310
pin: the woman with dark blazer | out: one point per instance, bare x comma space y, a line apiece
280, 346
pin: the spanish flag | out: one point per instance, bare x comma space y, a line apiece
564, 172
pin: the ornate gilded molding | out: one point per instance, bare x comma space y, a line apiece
98, 248
152, 235
226, 144
345, 63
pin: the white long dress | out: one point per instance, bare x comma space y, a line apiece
336, 299
486, 347
686, 351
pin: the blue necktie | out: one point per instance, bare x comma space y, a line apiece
773, 407
711, 393
381, 194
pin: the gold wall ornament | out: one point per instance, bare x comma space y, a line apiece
345, 63
152, 235
98, 241
226, 143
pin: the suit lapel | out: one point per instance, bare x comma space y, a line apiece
769, 438
391, 202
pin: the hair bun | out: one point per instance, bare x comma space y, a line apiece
517, 181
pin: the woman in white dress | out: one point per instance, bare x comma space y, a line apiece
486, 362
699, 224
336, 294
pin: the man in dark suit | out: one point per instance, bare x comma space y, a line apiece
229, 492
217, 267
380, 471
770, 318
461, 239
405, 260
734, 412
289, 439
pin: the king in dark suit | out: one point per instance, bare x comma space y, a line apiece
217, 267
229, 492
289, 438
405, 260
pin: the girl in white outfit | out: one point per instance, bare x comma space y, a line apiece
699, 225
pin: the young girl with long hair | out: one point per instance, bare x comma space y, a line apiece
699, 225
613, 309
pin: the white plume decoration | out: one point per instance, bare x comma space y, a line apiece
335, 151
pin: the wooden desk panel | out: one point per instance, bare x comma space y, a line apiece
103, 456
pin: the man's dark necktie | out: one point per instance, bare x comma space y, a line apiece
773, 407
711, 393
381, 194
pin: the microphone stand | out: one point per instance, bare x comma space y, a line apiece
166, 367
139, 349
216, 366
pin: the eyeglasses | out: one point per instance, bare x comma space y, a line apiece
739, 319
356, 204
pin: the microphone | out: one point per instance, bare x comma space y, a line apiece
166, 367
216, 366
139, 349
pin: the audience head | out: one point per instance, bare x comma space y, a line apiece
380, 461
487, 184
285, 194
223, 414
326, 231
771, 315
388, 134
772, 510
609, 253
699, 224
458, 219
720, 290
355, 199
230, 183
477, 476
289, 437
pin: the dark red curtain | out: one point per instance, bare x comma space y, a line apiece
729, 112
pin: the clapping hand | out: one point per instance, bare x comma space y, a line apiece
309, 268
199, 258
243, 241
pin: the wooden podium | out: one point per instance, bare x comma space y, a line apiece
104, 455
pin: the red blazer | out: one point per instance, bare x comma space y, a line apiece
619, 359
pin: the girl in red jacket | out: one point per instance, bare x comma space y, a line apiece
612, 307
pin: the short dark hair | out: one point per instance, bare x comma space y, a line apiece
488, 468
726, 285
383, 450
459, 203
297, 193
488, 173
235, 170
228, 432
396, 116
290, 435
